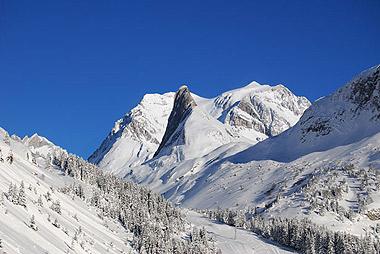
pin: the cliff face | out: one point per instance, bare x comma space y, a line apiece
183, 104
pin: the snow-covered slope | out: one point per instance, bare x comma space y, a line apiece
344, 117
55, 203
76, 229
253, 112
136, 136
60, 203
346, 161
235, 241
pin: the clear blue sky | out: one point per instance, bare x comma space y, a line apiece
69, 69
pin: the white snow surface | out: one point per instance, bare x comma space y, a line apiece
243, 242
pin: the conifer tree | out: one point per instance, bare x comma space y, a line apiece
21, 195
32, 223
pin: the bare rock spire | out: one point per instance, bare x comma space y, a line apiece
183, 104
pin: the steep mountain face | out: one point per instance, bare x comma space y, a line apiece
196, 135
136, 136
252, 113
344, 117
183, 105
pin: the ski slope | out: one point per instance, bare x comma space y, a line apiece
245, 242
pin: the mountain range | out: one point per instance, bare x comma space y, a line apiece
258, 146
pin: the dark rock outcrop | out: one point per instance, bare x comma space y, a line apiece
183, 104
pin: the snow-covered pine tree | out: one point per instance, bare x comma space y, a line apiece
21, 199
56, 223
154, 222
1, 199
9, 158
39, 201
32, 223
12, 194
56, 206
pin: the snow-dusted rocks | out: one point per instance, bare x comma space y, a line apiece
251, 113
344, 117
136, 136
258, 111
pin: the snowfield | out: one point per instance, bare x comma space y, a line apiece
235, 241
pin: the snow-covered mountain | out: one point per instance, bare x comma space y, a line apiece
136, 136
258, 111
36, 217
252, 113
324, 168
203, 153
332, 177
344, 117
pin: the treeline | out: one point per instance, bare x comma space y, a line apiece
156, 225
299, 234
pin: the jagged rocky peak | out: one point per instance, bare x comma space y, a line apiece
183, 100
183, 103
36, 141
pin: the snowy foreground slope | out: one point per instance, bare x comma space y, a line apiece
76, 229
253, 112
53, 202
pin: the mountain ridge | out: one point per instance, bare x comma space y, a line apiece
121, 150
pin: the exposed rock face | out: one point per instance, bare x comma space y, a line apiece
366, 91
183, 103
358, 99
267, 110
